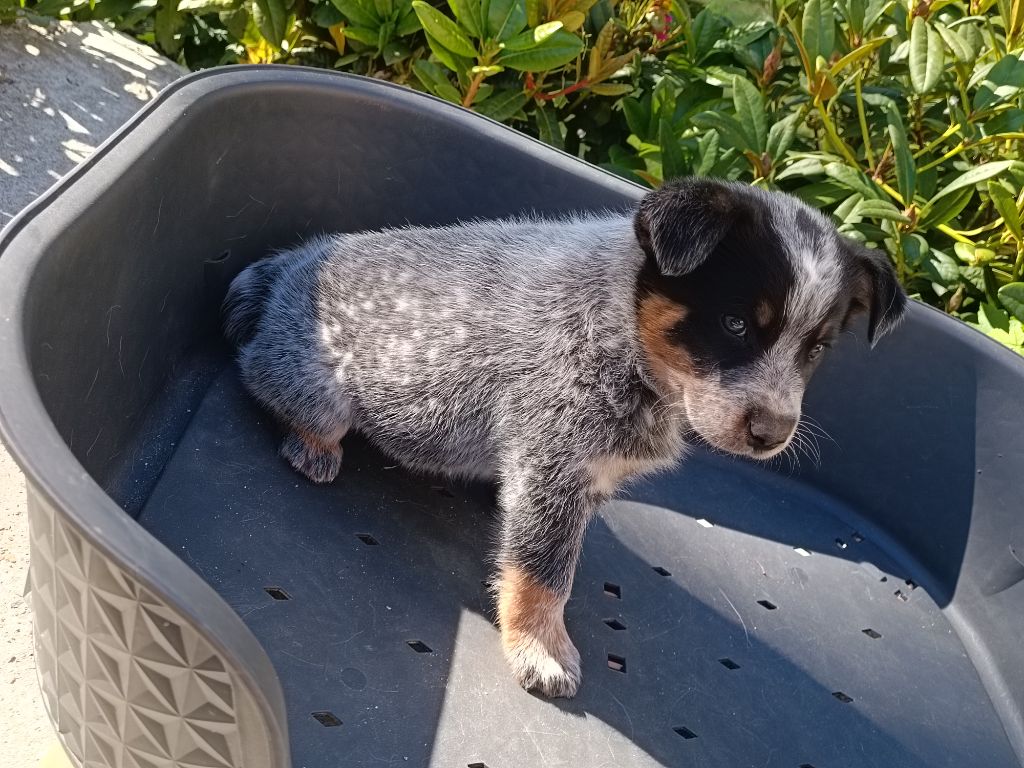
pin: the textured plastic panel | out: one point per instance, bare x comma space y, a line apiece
127, 680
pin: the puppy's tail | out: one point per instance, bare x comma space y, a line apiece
245, 299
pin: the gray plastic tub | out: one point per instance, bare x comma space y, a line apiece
197, 603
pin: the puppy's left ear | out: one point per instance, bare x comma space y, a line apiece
682, 222
877, 291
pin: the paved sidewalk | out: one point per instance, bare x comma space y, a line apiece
63, 89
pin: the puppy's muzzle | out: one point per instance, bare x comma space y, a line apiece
767, 430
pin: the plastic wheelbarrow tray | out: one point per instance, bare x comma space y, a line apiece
197, 603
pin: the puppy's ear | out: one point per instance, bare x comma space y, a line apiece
680, 224
877, 291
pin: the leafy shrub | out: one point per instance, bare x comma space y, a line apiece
903, 119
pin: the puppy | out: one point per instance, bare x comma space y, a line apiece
559, 358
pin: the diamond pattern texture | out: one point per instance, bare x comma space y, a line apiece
126, 680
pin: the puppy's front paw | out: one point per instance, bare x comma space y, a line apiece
317, 460
533, 636
552, 668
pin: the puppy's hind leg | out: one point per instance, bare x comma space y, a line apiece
316, 456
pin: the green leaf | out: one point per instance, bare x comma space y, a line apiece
926, 56
355, 12
455, 63
1007, 207
556, 51
822, 194
906, 171
531, 38
271, 17
469, 15
857, 55
943, 269
548, 128
781, 135
166, 24
962, 50
673, 162
408, 24
749, 106
638, 118
384, 9
707, 152
208, 6
851, 179
818, 29
879, 209
707, 29
976, 176
1011, 296
505, 19
363, 35
941, 210
1003, 81
991, 317
503, 105
436, 81
727, 126
444, 30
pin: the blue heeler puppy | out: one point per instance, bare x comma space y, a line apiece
558, 358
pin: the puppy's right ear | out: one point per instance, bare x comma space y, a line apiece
680, 223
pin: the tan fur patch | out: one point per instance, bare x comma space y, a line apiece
764, 314
533, 635
608, 472
656, 316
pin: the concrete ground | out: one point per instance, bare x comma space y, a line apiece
64, 88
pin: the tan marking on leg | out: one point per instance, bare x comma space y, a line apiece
609, 471
533, 635
669, 362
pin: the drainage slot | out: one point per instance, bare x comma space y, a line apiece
326, 719
705, 523
842, 697
841, 544
616, 663
615, 624
277, 593
768, 605
613, 590
660, 571
367, 539
477, 765
801, 551
871, 633
857, 537
419, 646
685, 732
728, 663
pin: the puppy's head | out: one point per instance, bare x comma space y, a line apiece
742, 293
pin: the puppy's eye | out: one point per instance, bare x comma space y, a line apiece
816, 350
737, 326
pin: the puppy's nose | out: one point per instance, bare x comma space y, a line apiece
766, 430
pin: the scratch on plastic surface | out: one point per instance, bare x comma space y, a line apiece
143, 363
96, 440
742, 622
159, 209
95, 376
120, 359
626, 713
110, 316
